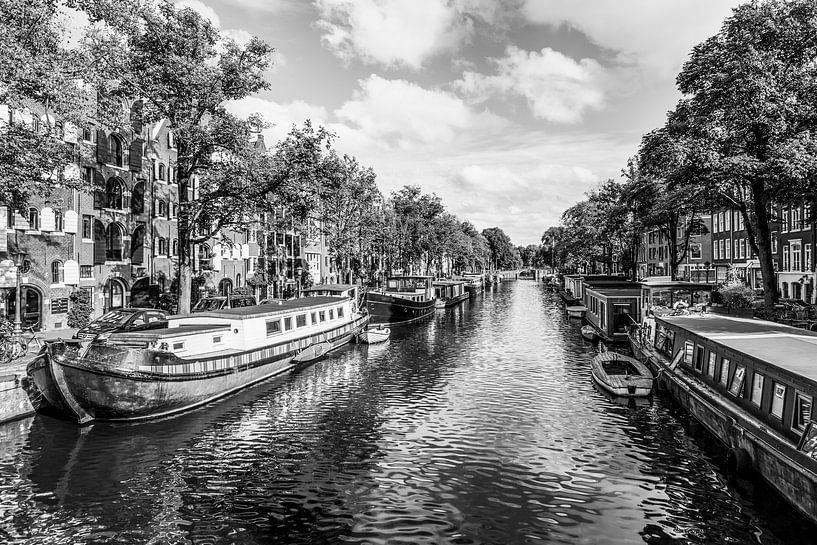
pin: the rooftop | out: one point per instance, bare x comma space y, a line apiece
786, 347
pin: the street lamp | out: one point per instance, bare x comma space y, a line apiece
19, 258
298, 273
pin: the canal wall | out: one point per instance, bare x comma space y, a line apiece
14, 401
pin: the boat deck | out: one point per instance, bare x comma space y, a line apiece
257, 311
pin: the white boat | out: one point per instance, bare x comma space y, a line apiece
589, 332
576, 311
621, 375
374, 334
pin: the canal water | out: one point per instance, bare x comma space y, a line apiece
479, 426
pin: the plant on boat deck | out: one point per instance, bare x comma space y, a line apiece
737, 295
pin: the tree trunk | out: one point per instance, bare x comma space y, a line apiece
185, 285
185, 266
763, 238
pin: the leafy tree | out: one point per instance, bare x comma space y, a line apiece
748, 115
81, 308
413, 218
504, 254
184, 71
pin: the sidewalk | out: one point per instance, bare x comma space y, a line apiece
18, 366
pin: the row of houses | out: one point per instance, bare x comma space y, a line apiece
719, 248
119, 242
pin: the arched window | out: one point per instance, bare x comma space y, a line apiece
59, 223
162, 246
117, 157
57, 272
113, 251
137, 200
175, 247
114, 194
33, 218
205, 257
162, 208
161, 171
116, 294
167, 210
238, 280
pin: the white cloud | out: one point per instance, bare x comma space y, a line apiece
655, 33
401, 113
556, 87
391, 32
274, 6
281, 116
203, 9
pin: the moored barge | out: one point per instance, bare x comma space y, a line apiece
752, 384
196, 359
405, 299
450, 292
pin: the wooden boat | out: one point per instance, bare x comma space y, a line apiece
474, 282
450, 292
621, 375
372, 334
196, 359
405, 299
590, 333
576, 311
752, 384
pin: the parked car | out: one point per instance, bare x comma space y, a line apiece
123, 320
222, 302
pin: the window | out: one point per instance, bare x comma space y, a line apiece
57, 272
86, 134
322, 316
114, 194
273, 327
178, 346
728, 247
774, 244
117, 157
795, 219
33, 219
716, 223
695, 251
802, 411
162, 208
175, 247
59, 224
340, 312
807, 263
727, 223
710, 366
796, 264
717, 248
314, 318
786, 258
288, 323
699, 359
114, 243
724, 379
331, 314
778, 398
300, 320
689, 350
757, 388
785, 225
86, 271
161, 171
736, 387
87, 221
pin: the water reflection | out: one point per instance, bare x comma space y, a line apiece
481, 425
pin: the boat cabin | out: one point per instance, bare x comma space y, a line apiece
449, 289
413, 288
661, 295
332, 290
768, 370
612, 307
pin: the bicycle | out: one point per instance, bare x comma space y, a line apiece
12, 347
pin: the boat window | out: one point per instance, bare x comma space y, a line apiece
322, 316
288, 323
115, 317
736, 387
340, 312
664, 340
724, 371
314, 318
300, 320
778, 398
808, 441
217, 339
802, 411
699, 359
689, 347
710, 367
757, 388
273, 327
178, 346
331, 314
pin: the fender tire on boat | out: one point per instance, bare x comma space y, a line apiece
738, 461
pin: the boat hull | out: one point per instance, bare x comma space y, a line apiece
789, 472
636, 382
384, 308
589, 333
87, 391
373, 336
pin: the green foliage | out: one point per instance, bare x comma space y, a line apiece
736, 295
80, 309
503, 254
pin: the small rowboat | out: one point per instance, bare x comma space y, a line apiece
576, 311
373, 335
621, 375
590, 333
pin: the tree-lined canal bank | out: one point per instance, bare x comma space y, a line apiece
480, 426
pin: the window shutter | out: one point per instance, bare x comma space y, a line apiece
135, 157
136, 116
137, 246
99, 243
103, 153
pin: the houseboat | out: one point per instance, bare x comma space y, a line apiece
612, 308
474, 282
196, 359
404, 299
660, 295
752, 384
450, 292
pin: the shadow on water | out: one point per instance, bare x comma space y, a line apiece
481, 425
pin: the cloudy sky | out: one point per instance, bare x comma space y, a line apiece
509, 110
